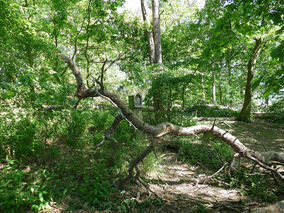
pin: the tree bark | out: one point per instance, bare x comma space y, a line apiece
214, 87
110, 131
203, 90
158, 102
157, 31
149, 33
246, 109
220, 94
155, 52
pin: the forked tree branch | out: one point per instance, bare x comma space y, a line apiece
262, 159
110, 131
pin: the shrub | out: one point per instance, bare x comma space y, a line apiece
276, 111
76, 126
257, 186
23, 141
83, 185
95, 187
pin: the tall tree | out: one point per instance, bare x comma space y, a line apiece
246, 110
155, 50
157, 31
149, 33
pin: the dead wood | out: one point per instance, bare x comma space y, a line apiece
109, 132
263, 159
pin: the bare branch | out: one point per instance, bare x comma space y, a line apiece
110, 131
164, 128
81, 87
103, 71
77, 103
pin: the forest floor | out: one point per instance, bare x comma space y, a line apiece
259, 134
184, 187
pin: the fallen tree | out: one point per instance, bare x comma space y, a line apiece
268, 160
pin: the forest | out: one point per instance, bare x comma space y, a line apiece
141, 106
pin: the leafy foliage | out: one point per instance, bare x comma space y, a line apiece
62, 174
275, 112
20, 191
47, 149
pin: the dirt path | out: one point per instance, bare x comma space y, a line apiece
183, 189
182, 186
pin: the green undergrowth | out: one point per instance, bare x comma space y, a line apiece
210, 152
75, 185
132, 205
210, 111
50, 157
275, 112
34, 189
256, 185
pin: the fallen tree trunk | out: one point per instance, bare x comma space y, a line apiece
262, 159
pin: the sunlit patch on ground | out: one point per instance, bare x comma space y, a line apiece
179, 182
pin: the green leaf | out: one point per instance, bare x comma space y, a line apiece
277, 52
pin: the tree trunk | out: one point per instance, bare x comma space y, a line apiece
220, 94
183, 98
246, 110
157, 31
203, 90
155, 52
149, 33
158, 104
214, 88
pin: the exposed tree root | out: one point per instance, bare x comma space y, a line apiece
139, 179
134, 164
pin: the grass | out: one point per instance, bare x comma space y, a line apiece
210, 152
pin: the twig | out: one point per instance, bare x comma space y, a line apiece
138, 190
103, 70
77, 103
223, 122
264, 166
252, 169
107, 138
220, 170
276, 181
95, 82
110, 131
213, 125
107, 98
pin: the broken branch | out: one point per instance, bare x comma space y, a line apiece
164, 128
